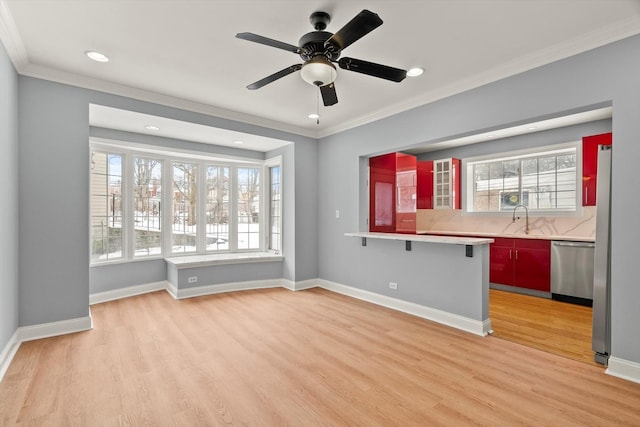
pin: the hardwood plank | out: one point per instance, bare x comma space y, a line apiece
553, 326
275, 357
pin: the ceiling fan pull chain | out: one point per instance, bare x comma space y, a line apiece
318, 106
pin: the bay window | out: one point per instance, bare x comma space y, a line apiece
148, 202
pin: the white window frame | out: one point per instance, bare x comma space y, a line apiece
268, 164
167, 156
468, 185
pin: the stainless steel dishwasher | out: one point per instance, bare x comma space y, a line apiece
572, 271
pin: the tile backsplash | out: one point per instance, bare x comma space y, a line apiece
581, 226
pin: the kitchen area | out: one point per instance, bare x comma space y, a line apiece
546, 209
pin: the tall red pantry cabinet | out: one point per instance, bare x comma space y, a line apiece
392, 193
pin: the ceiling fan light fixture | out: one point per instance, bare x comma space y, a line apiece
318, 71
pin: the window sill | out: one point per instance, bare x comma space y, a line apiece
222, 259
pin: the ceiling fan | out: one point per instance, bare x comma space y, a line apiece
319, 49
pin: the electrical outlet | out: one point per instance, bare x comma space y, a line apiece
393, 285
192, 279
337, 214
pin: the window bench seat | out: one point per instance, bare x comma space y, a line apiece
195, 261
196, 275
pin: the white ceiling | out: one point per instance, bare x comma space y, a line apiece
184, 53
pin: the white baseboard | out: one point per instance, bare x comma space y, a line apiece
299, 286
8, 352
625, 369
130, 291
476, 327
52, 329
224, 287
172, 290
43, 330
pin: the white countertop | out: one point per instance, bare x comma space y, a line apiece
450, 240
506, 235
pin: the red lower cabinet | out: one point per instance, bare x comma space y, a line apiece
524, 263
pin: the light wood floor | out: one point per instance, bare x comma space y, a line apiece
275, 357
553, 326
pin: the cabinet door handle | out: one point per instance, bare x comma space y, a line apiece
510, 254
516, 254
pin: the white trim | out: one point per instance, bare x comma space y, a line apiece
100, 297
599, 37
299, 286
172, 290
52, 329
225, 287
8, 353
466, 324
60, 76
306, 284
43, 330
10, 38
625, 369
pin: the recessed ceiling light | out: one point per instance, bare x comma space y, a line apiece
314, 116
151, 127
237, 141
97, 56
415, 71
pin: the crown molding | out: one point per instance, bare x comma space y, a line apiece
72, 79
589, 41
11, 39
16, 50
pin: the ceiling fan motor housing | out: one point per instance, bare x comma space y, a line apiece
312, 45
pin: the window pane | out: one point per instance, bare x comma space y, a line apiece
184, 219
217, 208
543, 182
147, 197
106, 206
248, 208
276, 208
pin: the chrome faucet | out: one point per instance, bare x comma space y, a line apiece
526, 216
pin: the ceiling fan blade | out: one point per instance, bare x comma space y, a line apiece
329, 96
267, 41
361, 25
372, 69
273, 77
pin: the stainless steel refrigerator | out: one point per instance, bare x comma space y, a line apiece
601, 339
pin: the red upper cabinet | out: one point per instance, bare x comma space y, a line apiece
392, 193
425, 184
590, 165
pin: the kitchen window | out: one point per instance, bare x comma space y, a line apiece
148, 202
543, 181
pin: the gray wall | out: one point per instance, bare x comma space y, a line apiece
53, 198
8, 199
603, 76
